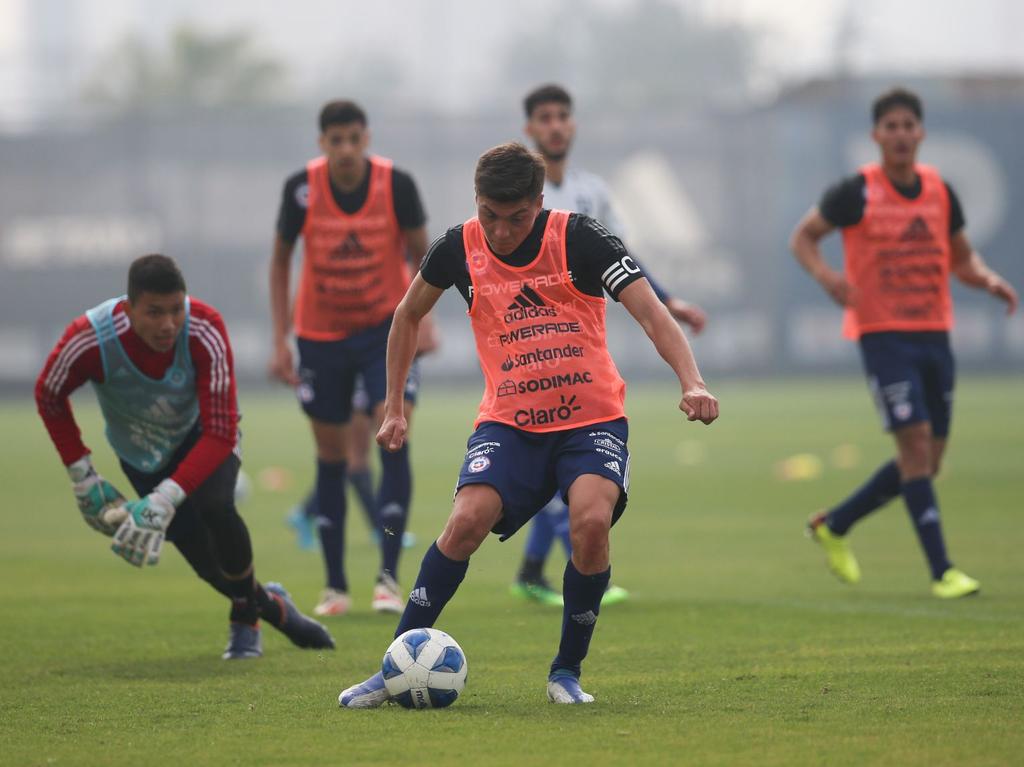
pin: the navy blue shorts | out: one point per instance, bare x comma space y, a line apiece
527, 469
911, 376
329, 371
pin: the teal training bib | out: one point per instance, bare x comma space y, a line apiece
147, 419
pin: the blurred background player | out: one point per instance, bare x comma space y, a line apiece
903, 233
161, 365
551, 126
531, 441
360, 219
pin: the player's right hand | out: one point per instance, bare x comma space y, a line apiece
837, 286
699, 405
392, 433
282, 365
140, 537
94, 495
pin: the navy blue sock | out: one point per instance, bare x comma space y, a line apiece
362, 481
330, 505
582, 595
393, 505
919, 497
437, 582
883, 486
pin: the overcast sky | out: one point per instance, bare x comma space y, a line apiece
799, 38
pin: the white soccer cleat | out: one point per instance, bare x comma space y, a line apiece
333, 602
386, 596
370, 694
563, 687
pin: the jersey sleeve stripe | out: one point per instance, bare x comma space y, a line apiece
217, 406
79, 344
217, 348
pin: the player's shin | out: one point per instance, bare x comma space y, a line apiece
436, 584
582, 595
919, 497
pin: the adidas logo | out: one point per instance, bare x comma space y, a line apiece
614, 466
917, 231
419, 597
585, 619
930, 517
351, 247
528, 305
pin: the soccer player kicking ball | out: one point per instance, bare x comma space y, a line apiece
161, 365
552, 413
903, 233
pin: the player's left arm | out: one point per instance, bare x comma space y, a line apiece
970, 268
652, 315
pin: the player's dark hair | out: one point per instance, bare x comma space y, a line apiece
509, 172
896, 97
546, 94
154, 274
341, 113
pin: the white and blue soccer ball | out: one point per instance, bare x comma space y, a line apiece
424, 668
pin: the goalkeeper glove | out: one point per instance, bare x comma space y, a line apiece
94, 495
139, 538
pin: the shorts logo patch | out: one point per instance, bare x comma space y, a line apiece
305, 393
902, 411
614, 466
478, 464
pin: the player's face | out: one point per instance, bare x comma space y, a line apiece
157, 318
552, 128
898, 133
345, 147
506, 224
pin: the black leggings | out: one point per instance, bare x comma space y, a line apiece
207, 528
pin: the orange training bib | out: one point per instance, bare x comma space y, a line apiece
898, 257
541, 342
354, 269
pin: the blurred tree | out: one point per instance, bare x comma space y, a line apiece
651, 54
198, 70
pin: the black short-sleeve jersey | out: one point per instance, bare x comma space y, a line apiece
842, 204
292, 214
597, 260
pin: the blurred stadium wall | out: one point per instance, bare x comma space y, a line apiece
709, 200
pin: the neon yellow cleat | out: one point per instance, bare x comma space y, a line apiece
840, 559
954, 584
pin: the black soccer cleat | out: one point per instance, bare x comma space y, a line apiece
302, 630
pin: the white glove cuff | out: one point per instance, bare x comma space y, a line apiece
172, 491
81, 469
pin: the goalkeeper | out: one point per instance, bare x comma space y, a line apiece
161, 365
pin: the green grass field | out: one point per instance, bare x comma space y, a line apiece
737, 647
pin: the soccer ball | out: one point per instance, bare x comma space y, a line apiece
424, 668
